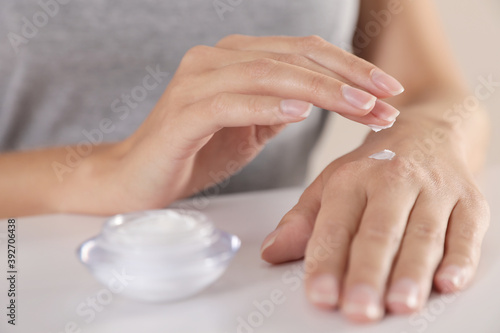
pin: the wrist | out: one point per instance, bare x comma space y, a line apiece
419, 140
433, 128
92, 185
448, 123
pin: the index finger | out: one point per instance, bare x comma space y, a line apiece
355, 69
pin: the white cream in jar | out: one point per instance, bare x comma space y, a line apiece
169, 254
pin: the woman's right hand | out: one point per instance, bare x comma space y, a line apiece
225, 102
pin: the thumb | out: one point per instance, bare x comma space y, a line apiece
288, 242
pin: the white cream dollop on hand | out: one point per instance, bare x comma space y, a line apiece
385, 154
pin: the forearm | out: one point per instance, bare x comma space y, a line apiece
51, 180
436, 101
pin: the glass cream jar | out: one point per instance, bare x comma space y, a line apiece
168, 254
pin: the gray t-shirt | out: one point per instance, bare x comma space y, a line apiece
65, 65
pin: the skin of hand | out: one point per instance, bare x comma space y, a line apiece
377, 235
218, 111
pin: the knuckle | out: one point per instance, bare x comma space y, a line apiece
381, 233
312, 42
477, 205
478, 202
181, 86
471, 258
465, 259
401, 167
194, 54
425, 232
229, 40
344, 175
256, 106
437, 179
219, 104
354, 63
484, 208
292, 59
398, 172
296, 218
259, 68
423, 263
415, 264
351, 62
198, 51
330, 241
470, 232
318, 85
367, 268
339, 234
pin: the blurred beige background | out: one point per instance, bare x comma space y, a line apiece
473, 29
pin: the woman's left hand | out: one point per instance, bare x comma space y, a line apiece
376, 234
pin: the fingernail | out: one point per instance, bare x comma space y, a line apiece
377, 128
384, 111
358, 98
296, 108
269, 240
324, 290
361, 303
452, 278
387, 83
403, 296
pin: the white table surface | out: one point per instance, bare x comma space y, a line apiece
52, 283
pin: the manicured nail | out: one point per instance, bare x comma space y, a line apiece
358, 98
296, 108
387, 83
403, 296
377, 128
362, 303
453, 278
384, 111
269, 240
324, 290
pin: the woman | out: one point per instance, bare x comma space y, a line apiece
375, 234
